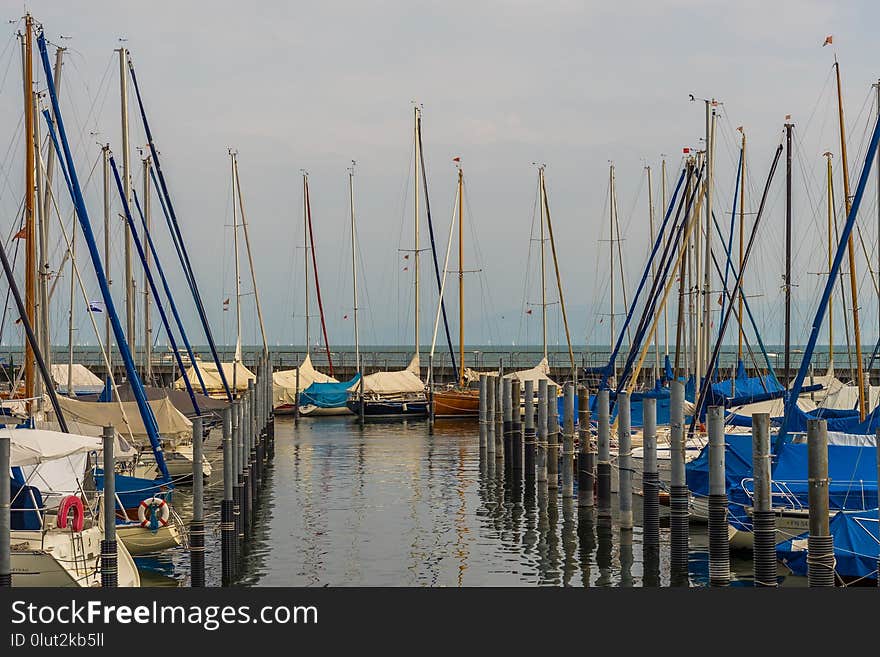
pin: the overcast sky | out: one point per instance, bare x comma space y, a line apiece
503, 85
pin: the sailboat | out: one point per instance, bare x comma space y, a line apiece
401, 393
288, 384
459, 400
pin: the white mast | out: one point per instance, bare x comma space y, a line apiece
126, 183
543, 265
416, 116
247, 243
354, 284
653, 268
237, 357
305, 175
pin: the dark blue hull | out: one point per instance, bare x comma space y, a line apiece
374, 408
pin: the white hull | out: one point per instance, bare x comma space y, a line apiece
179, 463
318, 411
60, 557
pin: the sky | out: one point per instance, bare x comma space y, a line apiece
505, 86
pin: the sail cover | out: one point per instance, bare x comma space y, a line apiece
212, 379
82, 379
284, 382
397, 382
539, 372
35, 446
173, 425
329, 395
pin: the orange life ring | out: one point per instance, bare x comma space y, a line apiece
163, 513
79, 514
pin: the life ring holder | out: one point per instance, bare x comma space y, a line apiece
79, 514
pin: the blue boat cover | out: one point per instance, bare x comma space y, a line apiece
737, 465
328, 395
856, 544
746, 386
659, 393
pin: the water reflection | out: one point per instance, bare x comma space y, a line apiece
392, 505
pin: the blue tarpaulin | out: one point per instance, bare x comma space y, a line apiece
659, 393
737, 462
328, 395
856, 545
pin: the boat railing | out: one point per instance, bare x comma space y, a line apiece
778, 490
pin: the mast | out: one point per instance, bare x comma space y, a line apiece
611, 207
788, 127
663, 205
354, 284
130, 310
653, 269
50, 148
29, 222
43, 340
416, 160
543, 266
742, 223
558, 278
237, 357
460, 278
317, 282
830, 178
707, 247
148, 329
105, 157
877, 86
860, 376
70, 314
247, 244
305, 175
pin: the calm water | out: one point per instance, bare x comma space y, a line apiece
395, 506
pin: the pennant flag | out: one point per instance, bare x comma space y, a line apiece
345, 317
529, 311
406, 256
96, 306
406, 269
18, 321
828, 40
685, 151
20, 235
226, 304
456, 159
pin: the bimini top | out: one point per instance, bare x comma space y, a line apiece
35, 446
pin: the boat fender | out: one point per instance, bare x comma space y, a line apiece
146, 511
79, 515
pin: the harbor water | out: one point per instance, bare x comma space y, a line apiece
396, 505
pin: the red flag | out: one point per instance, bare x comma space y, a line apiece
20, 235
406, 269
345, 317
456, 159
685, 151
828, 40
406, 257
529, 311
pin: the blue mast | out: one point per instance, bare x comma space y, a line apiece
151, 282
791, 400
82, 214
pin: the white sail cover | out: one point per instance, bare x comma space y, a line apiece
174, 426
213, 380
284, 382
539, 372
81, 378
394, 383
35, 446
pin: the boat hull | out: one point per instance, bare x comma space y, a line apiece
403, 409
141, 540
309, 410
456, 403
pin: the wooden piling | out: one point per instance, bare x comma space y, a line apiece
516, 435
719, 542
541, 448
482, 412
490, 417
568, 442
603, 467
763, 518
529, 430
650, 476
586, 455
820, 543
624, 461
678, 492
109, 561
552, 437
227, 519
197, 526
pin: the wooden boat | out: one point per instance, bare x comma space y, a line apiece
456, 402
